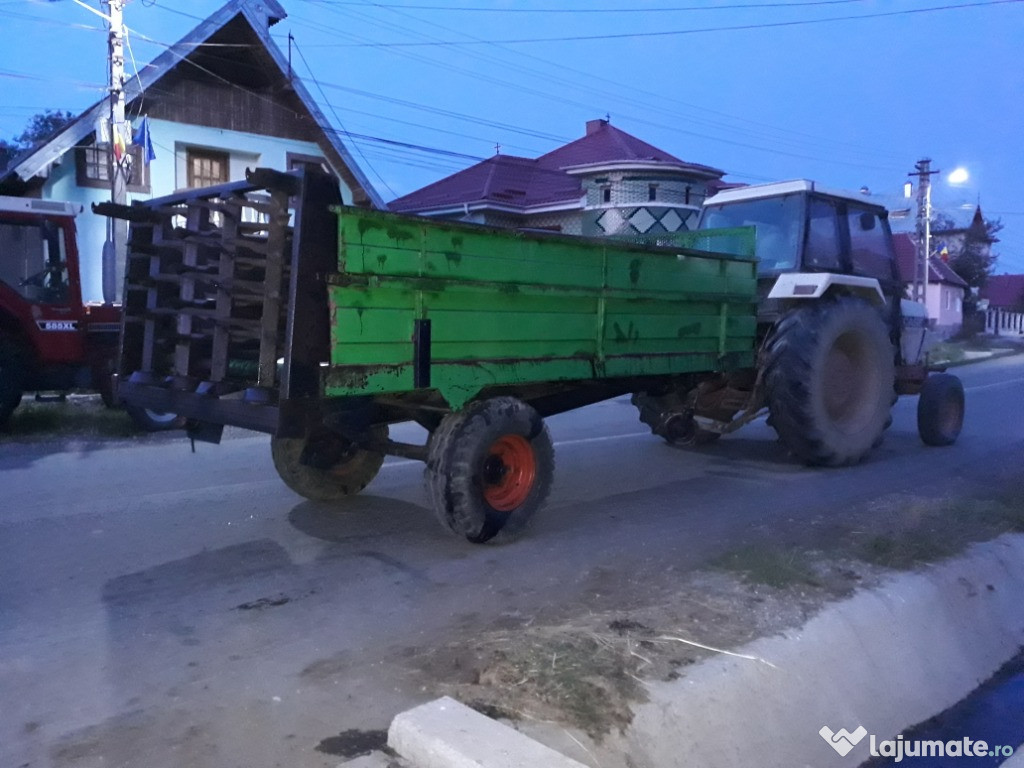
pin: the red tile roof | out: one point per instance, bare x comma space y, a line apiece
520, 182
1004, 290
938, 270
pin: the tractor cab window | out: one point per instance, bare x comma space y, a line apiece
778, 222
869, 246
823, 249
33, 261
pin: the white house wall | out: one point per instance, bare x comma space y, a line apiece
168, 174
945, 307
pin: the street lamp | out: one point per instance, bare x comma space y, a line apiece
958, 176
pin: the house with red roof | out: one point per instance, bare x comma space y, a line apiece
606, 183
944, 296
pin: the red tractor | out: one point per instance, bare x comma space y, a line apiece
50, 340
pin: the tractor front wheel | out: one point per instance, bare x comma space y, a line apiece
12, 378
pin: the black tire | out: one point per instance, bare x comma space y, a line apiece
12, 378
489, 469
149, 420
829, 380
325, 466
940, 409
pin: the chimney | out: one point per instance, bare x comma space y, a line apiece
593, 126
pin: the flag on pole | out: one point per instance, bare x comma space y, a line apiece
119, 145
143, 139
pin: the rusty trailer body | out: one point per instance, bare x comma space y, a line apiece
266, 305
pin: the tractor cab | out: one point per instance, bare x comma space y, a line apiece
801, 227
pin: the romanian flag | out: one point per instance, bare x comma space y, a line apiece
120, 147
943, 252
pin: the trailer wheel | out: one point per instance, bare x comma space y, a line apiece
489, 469
829, 377
325, 466
940, 409
12, 378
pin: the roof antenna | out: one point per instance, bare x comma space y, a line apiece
497, 148
607, 117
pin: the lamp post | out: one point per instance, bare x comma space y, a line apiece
113, 248
923, 171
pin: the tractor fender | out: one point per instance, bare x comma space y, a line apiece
803, 286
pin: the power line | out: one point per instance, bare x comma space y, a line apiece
324, 96
633, 89
584, 11
669, 33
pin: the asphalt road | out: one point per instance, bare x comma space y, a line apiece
164, 608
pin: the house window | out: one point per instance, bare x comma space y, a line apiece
606, 194
93, 168
652, 192
687, 199
296, 161
206, 167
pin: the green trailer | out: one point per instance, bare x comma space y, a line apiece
267, 305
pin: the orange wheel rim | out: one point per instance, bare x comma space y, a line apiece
510, 470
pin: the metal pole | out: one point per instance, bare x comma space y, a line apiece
114, 247
924, 231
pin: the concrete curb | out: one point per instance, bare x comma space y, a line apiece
885, 659
974, 361
446, 734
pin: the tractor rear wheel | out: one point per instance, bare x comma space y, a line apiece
325, 466
489, 468
829, 379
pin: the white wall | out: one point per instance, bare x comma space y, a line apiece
167, 174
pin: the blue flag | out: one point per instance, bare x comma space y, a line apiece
142, 138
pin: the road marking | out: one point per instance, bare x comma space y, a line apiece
631, 435
578, 441
994, 385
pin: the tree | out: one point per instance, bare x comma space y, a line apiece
40, 127
970, 257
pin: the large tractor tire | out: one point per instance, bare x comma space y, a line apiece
12, 379
940, 409
324, 466
489, 469
830, 379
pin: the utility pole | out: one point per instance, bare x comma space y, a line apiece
923, 171
115, 246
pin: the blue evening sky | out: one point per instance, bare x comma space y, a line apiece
849, 102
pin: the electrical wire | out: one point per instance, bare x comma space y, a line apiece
673, 32
338, 119
584, 11
773, 132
